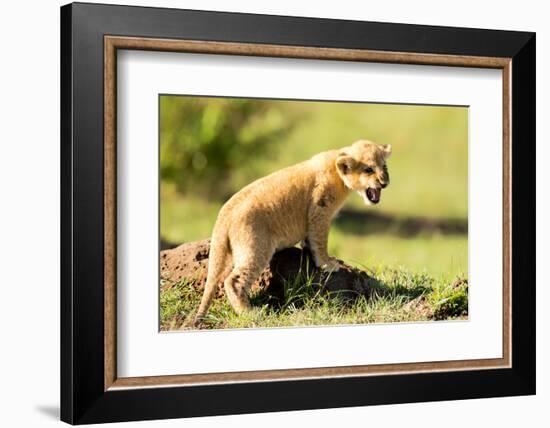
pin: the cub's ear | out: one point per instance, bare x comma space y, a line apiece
386, 149
345, 163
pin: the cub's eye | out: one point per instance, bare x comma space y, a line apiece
368, 170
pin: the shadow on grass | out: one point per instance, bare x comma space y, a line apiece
308, 285
362, 223
408, 293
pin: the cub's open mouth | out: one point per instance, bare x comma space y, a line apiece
373, 195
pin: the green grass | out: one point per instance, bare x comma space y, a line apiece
437, 255
397, 295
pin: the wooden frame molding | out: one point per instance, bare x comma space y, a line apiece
113, 43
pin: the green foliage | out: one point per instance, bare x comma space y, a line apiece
202, 140
452, 300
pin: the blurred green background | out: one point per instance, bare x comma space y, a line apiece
212, 147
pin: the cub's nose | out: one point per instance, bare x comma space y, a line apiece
384, 184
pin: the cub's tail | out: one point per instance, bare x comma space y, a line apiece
218, 265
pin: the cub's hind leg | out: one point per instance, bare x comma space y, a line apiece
248, 265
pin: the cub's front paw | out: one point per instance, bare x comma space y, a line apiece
332, 265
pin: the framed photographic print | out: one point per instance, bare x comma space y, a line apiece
266, 213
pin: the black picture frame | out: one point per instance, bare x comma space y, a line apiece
83, 398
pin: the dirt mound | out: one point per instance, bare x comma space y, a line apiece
190, 261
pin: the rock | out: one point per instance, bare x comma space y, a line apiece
190, 261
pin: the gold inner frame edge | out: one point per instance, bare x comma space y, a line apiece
113, 43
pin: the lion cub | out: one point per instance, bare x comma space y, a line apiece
289, 206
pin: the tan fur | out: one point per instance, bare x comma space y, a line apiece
292, 205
